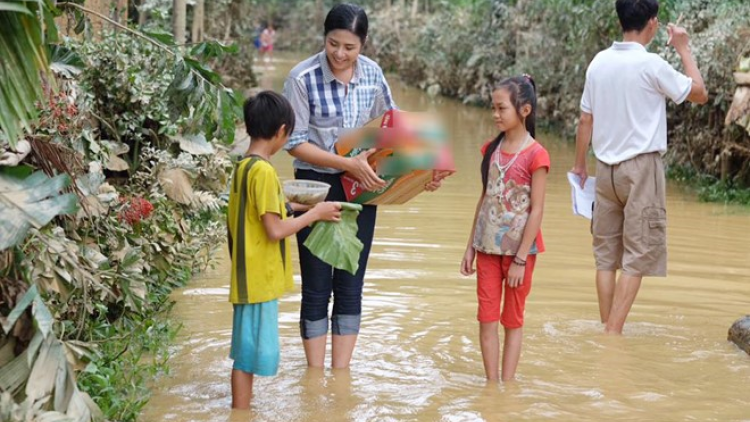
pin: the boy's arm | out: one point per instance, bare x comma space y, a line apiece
681, 42
583, 139
277, 229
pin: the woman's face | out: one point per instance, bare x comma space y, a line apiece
342, 49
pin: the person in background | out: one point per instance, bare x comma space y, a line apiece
267, 38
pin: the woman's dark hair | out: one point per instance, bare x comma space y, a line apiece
265, 113
522, 90
635, 14
349, 17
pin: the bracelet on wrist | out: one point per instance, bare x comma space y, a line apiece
518, 261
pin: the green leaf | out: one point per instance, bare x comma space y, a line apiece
32, 201
161, 36
23, 59
21, 306
65, 61
14, 7
336, 243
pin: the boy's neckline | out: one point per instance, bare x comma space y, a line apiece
256, 156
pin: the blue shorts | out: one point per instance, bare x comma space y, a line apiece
255, 338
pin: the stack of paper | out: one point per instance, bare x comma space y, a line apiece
583, 198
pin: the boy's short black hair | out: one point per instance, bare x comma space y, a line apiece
635, 14
265, 113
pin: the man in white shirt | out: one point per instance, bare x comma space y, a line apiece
624, 117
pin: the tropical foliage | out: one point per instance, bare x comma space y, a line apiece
112, 186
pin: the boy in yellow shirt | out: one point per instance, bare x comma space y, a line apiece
258, 222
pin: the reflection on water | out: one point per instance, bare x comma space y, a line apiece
418, 355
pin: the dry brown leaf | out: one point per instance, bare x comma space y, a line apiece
116, 163
177, 185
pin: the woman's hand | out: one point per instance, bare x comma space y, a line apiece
363, 172
467, 264
437, 180
515, 275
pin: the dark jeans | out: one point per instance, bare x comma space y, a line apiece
320, 280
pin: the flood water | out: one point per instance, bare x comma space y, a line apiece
418, 356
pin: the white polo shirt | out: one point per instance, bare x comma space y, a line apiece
626, 90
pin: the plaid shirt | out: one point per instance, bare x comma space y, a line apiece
324, 109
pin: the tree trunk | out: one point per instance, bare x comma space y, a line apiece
142, 14
179, 22
414, 9
199, 17
319, 14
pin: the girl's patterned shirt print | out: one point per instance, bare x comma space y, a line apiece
507, 202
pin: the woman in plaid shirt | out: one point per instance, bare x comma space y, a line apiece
333, 91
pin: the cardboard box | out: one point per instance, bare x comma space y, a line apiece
411, 151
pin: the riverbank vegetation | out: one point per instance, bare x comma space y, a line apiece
114, 164
460, 48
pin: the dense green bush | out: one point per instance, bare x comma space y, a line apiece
462, 51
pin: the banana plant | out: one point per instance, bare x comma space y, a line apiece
24, 63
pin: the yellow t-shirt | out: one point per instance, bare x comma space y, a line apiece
261, 268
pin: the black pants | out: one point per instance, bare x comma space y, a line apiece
320, 280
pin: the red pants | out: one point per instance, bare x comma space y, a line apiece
492, 271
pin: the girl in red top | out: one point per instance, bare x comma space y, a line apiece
505, 235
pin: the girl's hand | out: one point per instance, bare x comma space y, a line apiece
327, 211
361, 170
467, 264
515, 275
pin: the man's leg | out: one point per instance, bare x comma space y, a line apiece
625, 293
605, 289
607, 230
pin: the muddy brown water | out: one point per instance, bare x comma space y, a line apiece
418, 355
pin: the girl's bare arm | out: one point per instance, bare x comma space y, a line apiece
538, 187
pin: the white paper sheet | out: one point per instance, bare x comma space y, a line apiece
583, 199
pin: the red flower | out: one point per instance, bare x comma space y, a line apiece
135, 210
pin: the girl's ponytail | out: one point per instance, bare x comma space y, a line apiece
528, 96
485, 168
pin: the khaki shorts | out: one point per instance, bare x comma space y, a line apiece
630, 217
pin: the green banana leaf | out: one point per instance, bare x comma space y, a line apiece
23, 59
336, 243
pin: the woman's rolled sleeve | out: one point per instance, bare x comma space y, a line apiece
296, 92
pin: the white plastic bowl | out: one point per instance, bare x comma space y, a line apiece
307, 192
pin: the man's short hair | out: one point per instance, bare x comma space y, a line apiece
635, 14
265, 113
